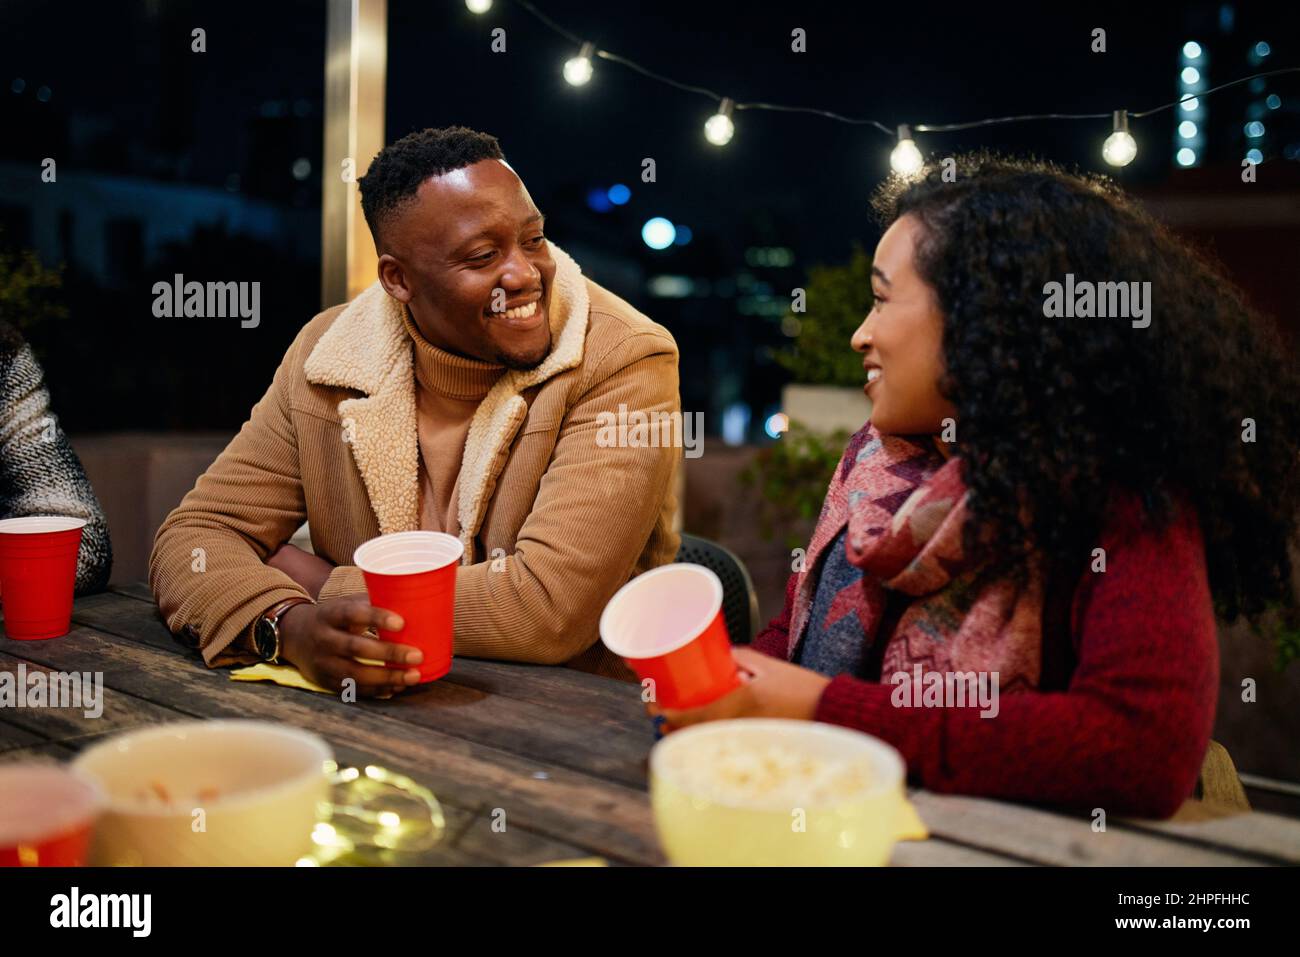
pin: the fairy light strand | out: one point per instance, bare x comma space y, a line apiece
906, 156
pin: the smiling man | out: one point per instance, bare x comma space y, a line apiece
462, 393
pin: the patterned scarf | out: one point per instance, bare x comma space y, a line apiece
905, 508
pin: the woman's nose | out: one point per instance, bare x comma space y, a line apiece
861, 339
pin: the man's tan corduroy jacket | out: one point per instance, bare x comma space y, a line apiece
552, 522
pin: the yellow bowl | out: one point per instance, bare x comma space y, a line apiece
701, 823
208, 793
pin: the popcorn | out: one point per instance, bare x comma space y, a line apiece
764, 775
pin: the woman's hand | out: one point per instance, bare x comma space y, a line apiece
308, 570
771, 689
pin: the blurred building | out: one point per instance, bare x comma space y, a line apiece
110, 228
1258, 120
1251, 229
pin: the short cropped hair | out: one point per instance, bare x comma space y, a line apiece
399, 169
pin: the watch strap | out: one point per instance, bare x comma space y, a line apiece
273, 615
278, 610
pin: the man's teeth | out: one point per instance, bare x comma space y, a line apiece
520, 312
873, 375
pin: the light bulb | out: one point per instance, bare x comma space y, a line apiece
479, 6
1120, 148
577, 70
718, 128
906, 159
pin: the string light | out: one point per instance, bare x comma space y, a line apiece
906, 159
577, 70
718, 128
358, 825
1119, 148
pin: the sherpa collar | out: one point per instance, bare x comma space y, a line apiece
368, 349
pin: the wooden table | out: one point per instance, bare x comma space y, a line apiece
560, 752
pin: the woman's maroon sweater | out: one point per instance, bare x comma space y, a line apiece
1125, 728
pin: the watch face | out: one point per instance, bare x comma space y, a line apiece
264, 639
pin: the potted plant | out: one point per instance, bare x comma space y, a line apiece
826, 394
28, 292
792, 475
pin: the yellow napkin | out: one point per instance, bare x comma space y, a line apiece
577, 862
286, 675
910, 825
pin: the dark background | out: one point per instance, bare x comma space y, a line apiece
173, 161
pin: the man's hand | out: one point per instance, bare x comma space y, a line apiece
324, 640
308, 570
771, 689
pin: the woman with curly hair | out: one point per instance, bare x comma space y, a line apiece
1044, 509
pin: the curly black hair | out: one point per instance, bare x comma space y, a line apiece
399, 168
1056, 414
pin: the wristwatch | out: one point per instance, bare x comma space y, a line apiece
266, 630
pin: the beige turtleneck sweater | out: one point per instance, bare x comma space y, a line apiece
450, 390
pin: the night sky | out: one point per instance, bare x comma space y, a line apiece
127, 97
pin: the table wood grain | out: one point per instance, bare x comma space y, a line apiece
558, 754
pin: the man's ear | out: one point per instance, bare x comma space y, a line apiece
393, 278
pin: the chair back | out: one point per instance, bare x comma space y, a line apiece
739, 600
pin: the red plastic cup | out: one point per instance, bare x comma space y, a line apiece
38, 571
414, 574
668, 625
47, 815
